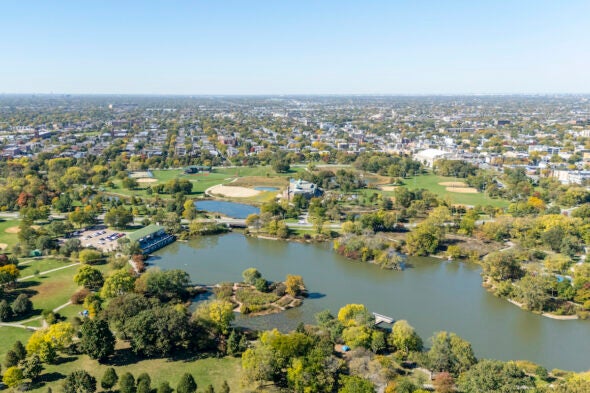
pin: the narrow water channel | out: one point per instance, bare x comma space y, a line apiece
432, 294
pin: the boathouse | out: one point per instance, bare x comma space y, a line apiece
151, 238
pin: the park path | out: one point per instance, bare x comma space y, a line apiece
49, 271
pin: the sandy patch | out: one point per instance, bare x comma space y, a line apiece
453, 184
463, 190
12, 230
387, 188
3, 246
146, 180
232, 191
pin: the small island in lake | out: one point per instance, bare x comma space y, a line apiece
258, 296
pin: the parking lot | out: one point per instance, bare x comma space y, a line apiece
99, 237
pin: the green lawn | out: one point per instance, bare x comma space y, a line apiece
51, 290
28, 267
431, 182
8, 238
205, 371
8, 336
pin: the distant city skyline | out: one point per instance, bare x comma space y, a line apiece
295, 48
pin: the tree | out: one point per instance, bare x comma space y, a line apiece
250, 275
532, 291
170, 330
189, 210
294, 285
444, 383
88, 256
109, 379
118, 217
96, 339
164, 387
354, 384
127, 383
451, 353
404, 338
219, 312
224, 387
5, 311
22, 305
117, 284
502, 266
31, 367
13, 377
209, 389
8, 274
89, 277
494, 376
423, 240
79, 381
19, 350
144, 385
354, 314
187, 384
11, 359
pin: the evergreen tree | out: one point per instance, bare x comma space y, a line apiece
187, 384
233, 344
210, 389
127, 383
164, 388
79, 382
109, 379
22, 305
31, 367
11, 359
143, 386
20, 350
5, 311
224, 387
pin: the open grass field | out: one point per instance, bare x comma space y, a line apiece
8, 238
51, 290
8, 336
205, 371
431, 182
29, 267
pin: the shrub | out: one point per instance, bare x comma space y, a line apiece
79, 296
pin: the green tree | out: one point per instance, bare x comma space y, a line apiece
5, 311
164, 387
109, 379
96, 339
127, 383
494, 376
532, 291
250, 275
209, 389
22, 305
354, 384
88, 256
120, 282
450, 353
11, 359
186, 384
89, 277
79, 381
404, 338
31, 367
118, 217
19, 350
224, 387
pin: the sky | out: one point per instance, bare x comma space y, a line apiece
218, 47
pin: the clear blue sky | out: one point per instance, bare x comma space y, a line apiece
295, 47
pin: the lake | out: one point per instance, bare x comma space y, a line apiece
432, 294
230, 209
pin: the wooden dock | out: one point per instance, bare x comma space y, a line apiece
379, 318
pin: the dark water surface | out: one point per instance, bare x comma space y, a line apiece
432, 294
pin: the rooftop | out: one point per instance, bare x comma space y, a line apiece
143, 232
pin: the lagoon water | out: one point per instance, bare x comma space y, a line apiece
230, 209
432, 294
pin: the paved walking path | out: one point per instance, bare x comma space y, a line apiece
48, 271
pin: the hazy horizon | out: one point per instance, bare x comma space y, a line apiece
392, 48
